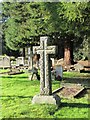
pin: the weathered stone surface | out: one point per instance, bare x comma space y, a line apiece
5, 62
1, 61
30, 59
51, 99
20, 61
59, 72
70, 91
45, 76
45, 96
78, 67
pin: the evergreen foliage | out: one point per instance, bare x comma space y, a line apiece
26, 21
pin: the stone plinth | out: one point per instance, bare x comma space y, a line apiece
51, 99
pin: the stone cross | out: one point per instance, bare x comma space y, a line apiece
45, 77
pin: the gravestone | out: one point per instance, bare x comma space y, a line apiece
59, 72
1, 62
45, 76
30, 55
52, 59
1, 44
5, 62
78, 67
20, 61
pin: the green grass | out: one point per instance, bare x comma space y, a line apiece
75, 74
17, 93
4, 70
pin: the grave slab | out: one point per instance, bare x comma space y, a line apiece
70, 91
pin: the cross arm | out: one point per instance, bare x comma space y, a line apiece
36, 49
51, 49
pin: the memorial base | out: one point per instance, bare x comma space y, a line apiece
41, 99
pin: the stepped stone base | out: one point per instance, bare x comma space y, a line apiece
52, 99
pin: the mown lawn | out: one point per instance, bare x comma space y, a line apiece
75, 74
17, 93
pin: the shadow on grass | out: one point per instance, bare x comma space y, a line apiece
28, 82
15, 76
15, 96
55, 82
77, 80
77, 105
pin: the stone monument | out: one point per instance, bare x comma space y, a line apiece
5, 62
30, 59
45, 76
20, 61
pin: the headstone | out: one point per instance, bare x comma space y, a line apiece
59, 72
45, 76
30, 59
1, 62
6, 61
20, 61
60, 61
52, 59
78, 67
26, 52
1, 44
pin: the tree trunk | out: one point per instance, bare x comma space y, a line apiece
23, 52
68, 52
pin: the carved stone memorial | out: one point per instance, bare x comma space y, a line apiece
30, 59
20, 61
45, 76
5, 62
1, 62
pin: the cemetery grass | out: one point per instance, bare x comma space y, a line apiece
75, 74
17, 93
4, 70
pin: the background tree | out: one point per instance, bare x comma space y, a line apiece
28, 21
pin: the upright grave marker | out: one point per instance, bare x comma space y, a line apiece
5, 62
30, 59
45, 76
20, 61
1, 62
